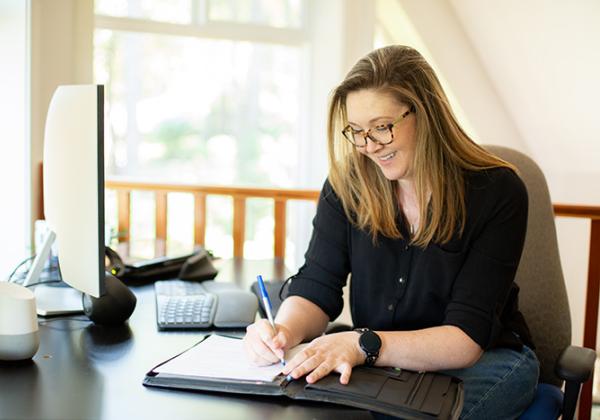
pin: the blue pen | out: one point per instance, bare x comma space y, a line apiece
268, 307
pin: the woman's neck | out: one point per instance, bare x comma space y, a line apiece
407, 198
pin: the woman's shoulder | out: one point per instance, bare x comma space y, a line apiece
329, 200
503, 183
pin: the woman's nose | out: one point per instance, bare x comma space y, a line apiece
372, 146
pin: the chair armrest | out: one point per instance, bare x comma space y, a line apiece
575, 365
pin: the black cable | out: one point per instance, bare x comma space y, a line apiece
46, 271
289, 279
19, 266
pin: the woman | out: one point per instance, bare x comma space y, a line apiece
431, 228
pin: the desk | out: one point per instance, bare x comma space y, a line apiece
83, 371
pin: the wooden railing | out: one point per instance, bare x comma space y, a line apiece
239, 195
590, 326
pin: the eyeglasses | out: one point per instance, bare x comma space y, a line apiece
381, 134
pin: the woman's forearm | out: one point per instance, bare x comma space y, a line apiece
430, 349
302, 318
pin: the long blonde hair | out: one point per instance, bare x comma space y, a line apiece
443, 151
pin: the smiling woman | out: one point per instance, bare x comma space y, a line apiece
431, 228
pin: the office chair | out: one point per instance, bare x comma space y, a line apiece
543, 301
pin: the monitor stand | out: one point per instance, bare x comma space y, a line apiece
51, 300
114, 307
54, 301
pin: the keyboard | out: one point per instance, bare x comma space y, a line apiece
183, 305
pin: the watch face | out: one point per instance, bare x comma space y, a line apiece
370, 342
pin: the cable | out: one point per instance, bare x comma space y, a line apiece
285, 283
44, 282
19, 266
46, 272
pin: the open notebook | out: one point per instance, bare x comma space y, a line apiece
219, 364
222, 357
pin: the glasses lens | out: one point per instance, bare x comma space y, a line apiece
351, 137
381, 134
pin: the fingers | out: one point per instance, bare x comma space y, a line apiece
345, 373
259, 353
309, 361
260, 345
319, 372
280, 340
319, 368
303, 363
296, 361
321, 357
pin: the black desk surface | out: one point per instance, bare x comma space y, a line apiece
82, 371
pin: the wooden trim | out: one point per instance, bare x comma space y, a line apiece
593, 287
161, 203
570, 210
280, 228
40, 208
239, 225
124, 208
591, 312
199, 218
274, 193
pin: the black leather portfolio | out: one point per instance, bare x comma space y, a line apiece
401, 393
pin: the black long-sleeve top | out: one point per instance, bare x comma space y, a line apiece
467, 282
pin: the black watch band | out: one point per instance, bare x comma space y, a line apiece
370, 343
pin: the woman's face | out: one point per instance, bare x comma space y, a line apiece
370, 109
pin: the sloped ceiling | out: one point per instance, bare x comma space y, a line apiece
543, 59
526, 74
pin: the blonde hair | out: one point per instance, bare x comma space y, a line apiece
443, 151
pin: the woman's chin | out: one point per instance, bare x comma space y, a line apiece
393, 174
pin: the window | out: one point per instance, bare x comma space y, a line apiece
202, 91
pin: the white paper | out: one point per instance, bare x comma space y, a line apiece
224, 358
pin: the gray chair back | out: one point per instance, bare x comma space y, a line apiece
543, 296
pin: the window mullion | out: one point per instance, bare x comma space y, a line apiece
199, 12
211, 30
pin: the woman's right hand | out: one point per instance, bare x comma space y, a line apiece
263, 345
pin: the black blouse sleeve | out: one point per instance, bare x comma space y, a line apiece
482, 287
326, 266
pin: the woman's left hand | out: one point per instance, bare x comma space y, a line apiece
338, 352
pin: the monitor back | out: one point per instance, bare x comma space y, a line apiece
74, 183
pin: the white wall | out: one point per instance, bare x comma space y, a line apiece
543, 59
450, 49
61, 53
14, 215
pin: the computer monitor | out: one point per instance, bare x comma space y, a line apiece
73, 178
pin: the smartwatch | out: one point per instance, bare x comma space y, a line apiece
370, 343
